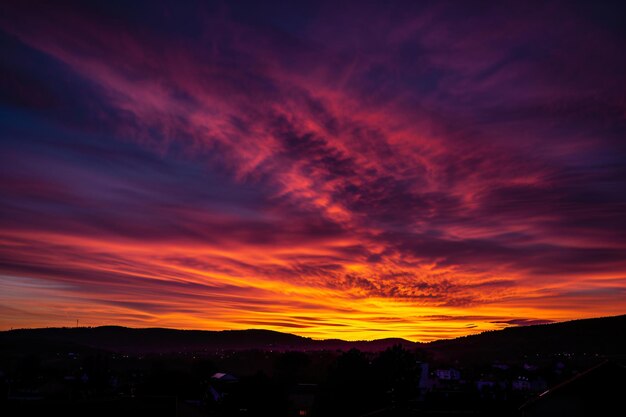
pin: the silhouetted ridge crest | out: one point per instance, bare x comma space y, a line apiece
602, 335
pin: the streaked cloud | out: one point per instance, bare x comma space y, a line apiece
332, 171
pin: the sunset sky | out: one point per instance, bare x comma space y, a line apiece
416, 169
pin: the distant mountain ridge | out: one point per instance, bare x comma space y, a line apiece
118, 338
600, 335
605, 336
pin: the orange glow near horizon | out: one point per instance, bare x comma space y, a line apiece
151, 287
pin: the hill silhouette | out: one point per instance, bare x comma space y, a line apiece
603, 336
117, 338
606, 336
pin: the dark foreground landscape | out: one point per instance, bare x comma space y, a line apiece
573, 368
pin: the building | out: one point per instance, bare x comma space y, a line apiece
448, 374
